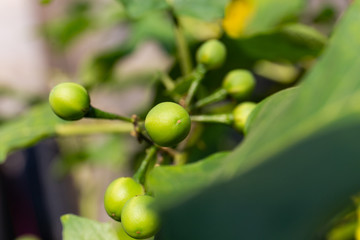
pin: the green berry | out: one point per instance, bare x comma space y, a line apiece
211, 54
70, 101
118, 193
139, 220
241, 114
239, 83
122, 235
167, 124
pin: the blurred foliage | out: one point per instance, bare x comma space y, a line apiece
98, 150
62, 32
293, 43
138, 8
269, 13
45, 1
327, 14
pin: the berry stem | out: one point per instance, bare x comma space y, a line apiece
167, 81
97, 113
198, 75
182, 46
91, 128
217, 118
139, 176
140, 132
217, 96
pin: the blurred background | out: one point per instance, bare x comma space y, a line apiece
95, 44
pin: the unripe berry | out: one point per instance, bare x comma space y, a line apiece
167, 124
241, 114
118, 193
69, 101
211, 54
239, 83
138, 218
122, 235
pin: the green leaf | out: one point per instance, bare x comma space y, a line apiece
139, 8
295, 170
155, 26
200, 9
188, 177
75, 227
261, 113
292, 42
37, 124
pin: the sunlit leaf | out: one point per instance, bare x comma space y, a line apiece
37, 124
75, 227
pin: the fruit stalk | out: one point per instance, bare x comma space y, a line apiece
182, 47
217, 96
139, 176
216, 118
91, 128
97, 113
198, 75
167, 81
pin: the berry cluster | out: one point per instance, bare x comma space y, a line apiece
166, 125
125, 201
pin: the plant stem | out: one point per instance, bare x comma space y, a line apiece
182, 46
217, 96
97, 113
91, 128
167, 81
217, 118
139, 176
198, 75
140, 132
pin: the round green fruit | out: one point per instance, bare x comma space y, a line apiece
70, 101
138, 219
167, 124
122, 235
118, 193
211, 54
241, 114
239, 83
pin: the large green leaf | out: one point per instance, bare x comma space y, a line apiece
75, 227
37, 124
261, 113
296, 168
188, 177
